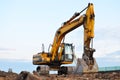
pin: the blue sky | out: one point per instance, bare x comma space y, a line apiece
26, 24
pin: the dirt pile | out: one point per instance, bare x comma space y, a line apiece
113, 75
8, 75
24, 75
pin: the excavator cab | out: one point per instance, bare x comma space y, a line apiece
67, 54
64, 56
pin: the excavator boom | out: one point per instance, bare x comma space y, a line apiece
62, 31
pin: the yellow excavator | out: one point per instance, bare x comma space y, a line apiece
63, 53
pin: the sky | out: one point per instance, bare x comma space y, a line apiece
26, 24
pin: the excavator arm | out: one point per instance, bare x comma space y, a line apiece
87, 20
88, 37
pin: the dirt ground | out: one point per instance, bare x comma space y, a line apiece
8, 75
24, 75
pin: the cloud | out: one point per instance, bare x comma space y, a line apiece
15, 60
111, 59
107, 39
6, 49
114, 56
105, 46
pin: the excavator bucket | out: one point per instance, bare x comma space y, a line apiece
82, 67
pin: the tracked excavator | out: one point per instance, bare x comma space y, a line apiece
63, 53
